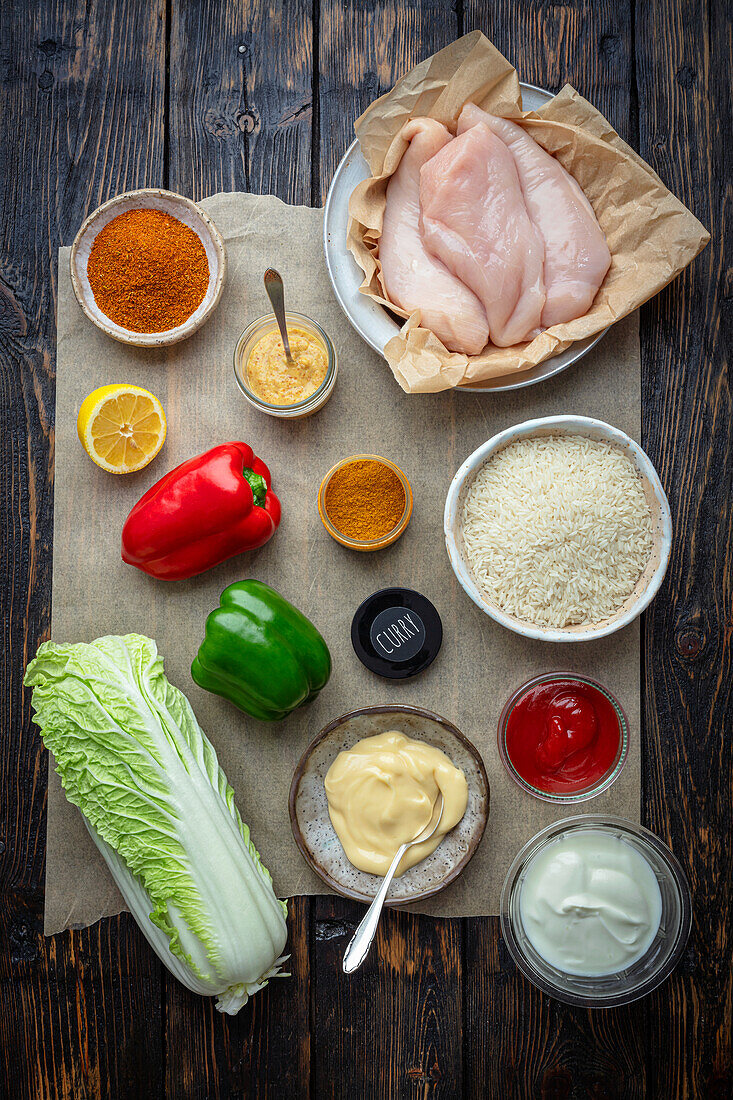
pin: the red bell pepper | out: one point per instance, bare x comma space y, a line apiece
209, 508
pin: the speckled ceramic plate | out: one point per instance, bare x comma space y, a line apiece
315, 835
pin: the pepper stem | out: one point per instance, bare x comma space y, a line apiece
257, 484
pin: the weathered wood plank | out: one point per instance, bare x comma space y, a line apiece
363, 49
520, 1043
241, 119
80, 1012
263, 1051
241, 98
394, 1028
84, 86
584, 44
683, 66
556, 1050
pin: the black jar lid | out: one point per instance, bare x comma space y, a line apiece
396, 633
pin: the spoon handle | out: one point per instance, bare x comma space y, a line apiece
363, 938
276, 294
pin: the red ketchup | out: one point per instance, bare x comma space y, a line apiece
562, 736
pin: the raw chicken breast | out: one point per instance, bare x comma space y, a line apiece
576, 254
475, 220
413, 277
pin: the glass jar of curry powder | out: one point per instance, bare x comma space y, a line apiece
371, 491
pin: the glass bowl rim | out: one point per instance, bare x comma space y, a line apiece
606, 780
677, 876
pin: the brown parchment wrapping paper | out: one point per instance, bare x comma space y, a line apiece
651, 235
480, 663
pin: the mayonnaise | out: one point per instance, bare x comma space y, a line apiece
590, 903
381, 793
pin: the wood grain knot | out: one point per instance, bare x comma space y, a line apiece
557, 1083
720, 1086
685, 76
23, 942
418, 1076
689, 642
45, 80
609, 45
12, 318
231, 125
248, 121
333, 930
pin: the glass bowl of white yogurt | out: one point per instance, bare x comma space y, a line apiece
596, 911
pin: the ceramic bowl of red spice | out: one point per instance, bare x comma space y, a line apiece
148, 267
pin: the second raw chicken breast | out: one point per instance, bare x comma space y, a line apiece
576, 253
475, 220
413, 278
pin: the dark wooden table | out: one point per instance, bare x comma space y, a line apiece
99, 96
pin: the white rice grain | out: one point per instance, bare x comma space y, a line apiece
557, 529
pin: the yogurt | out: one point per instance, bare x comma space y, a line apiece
590, 903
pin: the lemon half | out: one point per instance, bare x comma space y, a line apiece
121, 427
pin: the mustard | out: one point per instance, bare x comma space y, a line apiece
381, 793
273, 379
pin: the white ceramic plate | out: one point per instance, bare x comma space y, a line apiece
650, 580
377, 325
178, 206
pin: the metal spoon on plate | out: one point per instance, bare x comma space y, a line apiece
276, 294
363, 938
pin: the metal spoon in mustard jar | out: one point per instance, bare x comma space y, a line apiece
276, 294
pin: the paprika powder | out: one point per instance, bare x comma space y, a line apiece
148, 271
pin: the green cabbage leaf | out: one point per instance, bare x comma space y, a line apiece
133, 758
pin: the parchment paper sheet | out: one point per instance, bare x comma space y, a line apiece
480, 663
651, 235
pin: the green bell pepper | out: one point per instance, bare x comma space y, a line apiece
261, 653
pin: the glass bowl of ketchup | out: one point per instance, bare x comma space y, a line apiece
563, 737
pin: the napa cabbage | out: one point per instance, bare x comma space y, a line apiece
133, 758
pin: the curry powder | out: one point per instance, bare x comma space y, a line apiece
365, 500
148, 271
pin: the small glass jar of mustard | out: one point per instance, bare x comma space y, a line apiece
290, 391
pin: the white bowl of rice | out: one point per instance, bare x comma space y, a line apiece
559, 528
